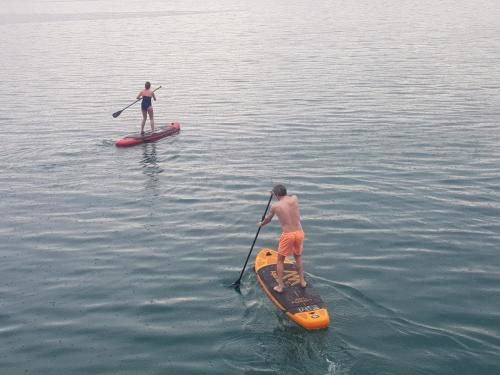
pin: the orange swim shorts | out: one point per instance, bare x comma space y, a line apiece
291, 242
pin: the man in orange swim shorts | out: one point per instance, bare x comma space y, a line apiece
292, 238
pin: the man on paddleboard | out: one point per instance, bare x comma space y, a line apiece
292, 236
146, 106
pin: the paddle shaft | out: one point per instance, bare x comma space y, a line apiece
116, 114
237, 282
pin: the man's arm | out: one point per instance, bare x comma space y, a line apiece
269, 217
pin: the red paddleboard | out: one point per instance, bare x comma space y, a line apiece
162, 132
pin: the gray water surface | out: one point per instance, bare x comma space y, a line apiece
382, 116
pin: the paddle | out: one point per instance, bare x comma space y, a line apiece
236, 284
118, 113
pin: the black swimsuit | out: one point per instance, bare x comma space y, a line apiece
146, 103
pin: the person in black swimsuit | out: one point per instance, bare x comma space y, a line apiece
146, 106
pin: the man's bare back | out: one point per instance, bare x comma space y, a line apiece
288, 212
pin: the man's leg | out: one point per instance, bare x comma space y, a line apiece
300, 269
280, 268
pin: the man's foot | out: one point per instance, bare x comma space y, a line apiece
278, 289
303, 285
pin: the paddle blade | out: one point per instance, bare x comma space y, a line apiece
236, 284
116, 114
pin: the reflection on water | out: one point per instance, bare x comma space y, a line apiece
150, 168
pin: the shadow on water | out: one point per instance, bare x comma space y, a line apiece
284, 349
269, 337
306, 352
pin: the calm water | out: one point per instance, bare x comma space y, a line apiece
382, 116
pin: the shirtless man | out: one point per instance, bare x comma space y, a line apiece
292, 238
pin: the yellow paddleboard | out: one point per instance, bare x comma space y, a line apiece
303, 305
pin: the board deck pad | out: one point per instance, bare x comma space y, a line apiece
294, 298
303, 305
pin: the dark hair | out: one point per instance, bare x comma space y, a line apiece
147, 85
279, 190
